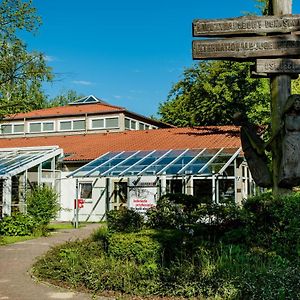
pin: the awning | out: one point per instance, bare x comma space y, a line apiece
160, 162
16, 160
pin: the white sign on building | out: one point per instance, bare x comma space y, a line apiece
142, 193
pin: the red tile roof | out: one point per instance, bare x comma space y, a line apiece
68, 110
90, 146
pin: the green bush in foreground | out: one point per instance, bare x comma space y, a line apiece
43, 206
247, 253
17, 225
124, 220
223, 272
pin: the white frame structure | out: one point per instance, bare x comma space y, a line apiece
14, 161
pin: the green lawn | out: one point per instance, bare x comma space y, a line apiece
5, 240
53, 227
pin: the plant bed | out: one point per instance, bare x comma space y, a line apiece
253, 255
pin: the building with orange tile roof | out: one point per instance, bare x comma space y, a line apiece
90, 128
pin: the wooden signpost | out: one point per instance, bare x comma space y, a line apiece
254, 25
278, 66
274, 41
247, 47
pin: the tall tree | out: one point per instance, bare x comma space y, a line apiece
64, 98
21, 72
211, 92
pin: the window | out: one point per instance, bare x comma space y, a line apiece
97, 123
48, 126
112, 122
40, 127
18, 128
127, 123
141, 126
35, 127
85, 190
72, 125
12, 128
133, 125
65, 125
6, 129
79, 125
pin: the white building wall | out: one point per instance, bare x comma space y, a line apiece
93, 209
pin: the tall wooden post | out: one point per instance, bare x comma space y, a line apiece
280, 91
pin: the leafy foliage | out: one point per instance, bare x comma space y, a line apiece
21, 72
42, 204
17, 225
246, 253
124, 220
211, 92
64, 99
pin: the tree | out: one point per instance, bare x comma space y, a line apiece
64, 99
21, 72
211, 92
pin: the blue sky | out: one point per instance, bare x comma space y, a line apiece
126, 52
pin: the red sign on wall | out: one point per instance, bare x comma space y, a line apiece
80, 203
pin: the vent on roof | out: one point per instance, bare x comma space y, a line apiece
87, 100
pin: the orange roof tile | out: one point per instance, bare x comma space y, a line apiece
90, 146
68, 110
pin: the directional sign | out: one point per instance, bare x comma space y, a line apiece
246, 25
278, 65
247, 48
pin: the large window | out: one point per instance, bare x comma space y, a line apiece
79, 125
102, 123
112, 122
35, 127
41, 127
48, 126
98, 124
7, 128
72, 125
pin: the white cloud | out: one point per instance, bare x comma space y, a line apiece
49, 58
82, 82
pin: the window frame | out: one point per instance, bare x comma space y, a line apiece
42, 126
72, 124
97, 119
80, 184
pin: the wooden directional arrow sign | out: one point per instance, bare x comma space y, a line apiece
278, 66
246, 26
247, 48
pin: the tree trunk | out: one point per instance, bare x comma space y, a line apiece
280, 91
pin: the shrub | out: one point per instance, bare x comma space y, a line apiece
173, 211
274, 223
17, 225
124, 220
42, 205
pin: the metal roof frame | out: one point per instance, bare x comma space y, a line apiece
174, 154
41, 155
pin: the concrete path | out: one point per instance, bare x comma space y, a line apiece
17, 259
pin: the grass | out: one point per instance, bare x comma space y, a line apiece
5, 240
52, 227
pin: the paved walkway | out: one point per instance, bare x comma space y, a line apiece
17, 259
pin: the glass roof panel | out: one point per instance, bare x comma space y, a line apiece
15, 160
113, 162
86, 100
156, 162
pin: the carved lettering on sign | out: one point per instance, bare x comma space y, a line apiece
279, 65
246, 25
247, 48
